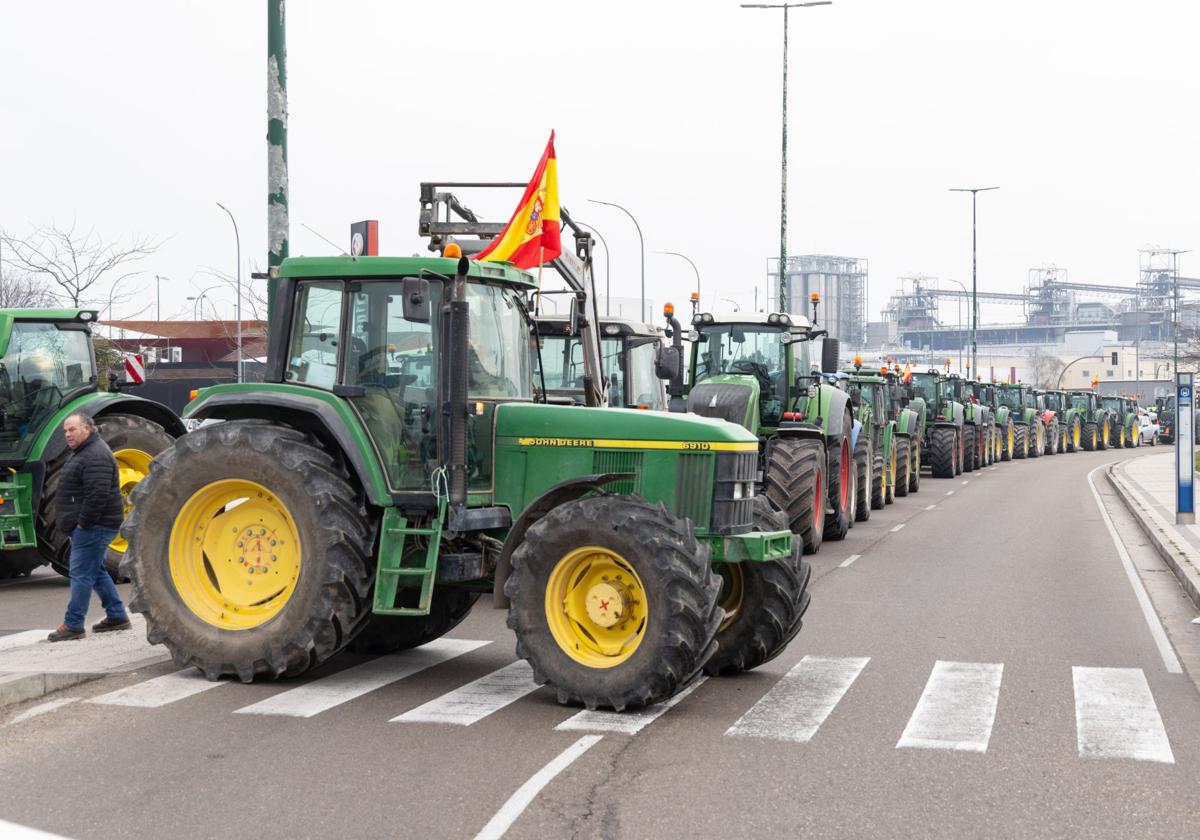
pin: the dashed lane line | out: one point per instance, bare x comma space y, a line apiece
848, 560
896, 528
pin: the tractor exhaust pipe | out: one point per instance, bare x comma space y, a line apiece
455, 408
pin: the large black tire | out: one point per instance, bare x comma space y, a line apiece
770, 610
1052, 438
1070, 438
330, 602
794, 479
388, 633
889, 490
969, 452
119, 431
943, 455
1091, 437
878, 483
903, 465
1103, 435
864, 462
15, 564
914, 477
1036, 440
1008, 453
679, 595
837, 517
1021, 441
960, 452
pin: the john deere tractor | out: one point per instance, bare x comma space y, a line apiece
979, 399
396, 463
887, 451
944, 437
1029, 439
1046, 410
1069, 417
48, 371
754, 369
976, 421
1124, 430
628, 352
1096, 420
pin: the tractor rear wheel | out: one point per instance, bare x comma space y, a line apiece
878, 483
1131, 439
864, 464
1008, 441
943, 446
841, 462
763, 603
914, 476
968, 448
15, 564
1037, 438
1021, 445
1074, 435
795, 481
903, 466
613, 602
134, 441
236, 506
388, 633
1091, 437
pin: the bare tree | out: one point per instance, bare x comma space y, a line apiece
76, 262
20, 291
1044, 368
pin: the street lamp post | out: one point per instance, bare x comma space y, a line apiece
641, 245
736, 308
692, 264
1063, 372
783, 160
237, 310
974, 303
607, 269
158, 296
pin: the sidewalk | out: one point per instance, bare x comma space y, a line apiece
1147, 486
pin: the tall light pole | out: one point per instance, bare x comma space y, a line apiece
641, 245
736, 308
237, 310
783, 163
607, 269
1175, 307
692, 264
974, 279
158, 296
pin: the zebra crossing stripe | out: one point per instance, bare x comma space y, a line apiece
323, 694
41, 709
957, 708
1116, 717
624, 723
476, 700
159, 691
795, 708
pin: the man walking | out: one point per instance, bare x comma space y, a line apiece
90, 509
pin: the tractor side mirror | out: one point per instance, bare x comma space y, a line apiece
668, 363
830, 351
415, 292
576, 314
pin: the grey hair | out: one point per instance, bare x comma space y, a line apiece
84, 420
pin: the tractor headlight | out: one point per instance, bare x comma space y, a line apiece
812, 391
785, 338
773, 318
706, 318
693, 335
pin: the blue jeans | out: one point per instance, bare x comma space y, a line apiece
87, 573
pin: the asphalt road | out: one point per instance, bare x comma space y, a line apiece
983, 668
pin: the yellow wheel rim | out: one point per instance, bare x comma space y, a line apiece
1075, 436
1134, 435
235, 554
132, 466
596, 607
733, 588
1107, 435
1011, 440
892, 466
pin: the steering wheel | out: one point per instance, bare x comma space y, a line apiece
758, 370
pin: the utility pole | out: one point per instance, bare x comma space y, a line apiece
277, 174
237, 309
783, 283
974, 269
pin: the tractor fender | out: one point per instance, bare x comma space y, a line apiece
907, 423
561, 493
834, 410
97, 407
308, 414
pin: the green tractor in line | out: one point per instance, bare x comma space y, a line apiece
887, 446
397, 462
978, 422
1050, 419
754, 369
943, 437
1005, 419
1096, 434
1122, 420
1069, 419
628, 352
47, 372
1029, 431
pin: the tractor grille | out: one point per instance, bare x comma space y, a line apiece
619, 461
723, 401
733, 492
693, 488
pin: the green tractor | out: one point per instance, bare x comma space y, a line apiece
1070, 419
1047, 413
1096, 421
1029, 433
48, 371
397, 462
887, 445
982, 399
1125, 430
754, 369
943, 438
628, 353
1005, 408
978, 423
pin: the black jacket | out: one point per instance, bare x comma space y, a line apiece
89, 490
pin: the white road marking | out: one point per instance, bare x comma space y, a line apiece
957, 708
930, 507
22, 639
325, 693
849, 560
898, 527
476, 700
949, 492
97, 653
525, 794
12, 831
1170, 660
41, 709
1115, 716
624, 723
966, 482
795, 708
159, 691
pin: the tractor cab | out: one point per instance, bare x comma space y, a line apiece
628, 350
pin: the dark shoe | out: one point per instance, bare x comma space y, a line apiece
110, 624
66, 634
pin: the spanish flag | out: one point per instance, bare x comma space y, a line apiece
531, 236
906, 377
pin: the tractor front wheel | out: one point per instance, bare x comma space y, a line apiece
1091, 437
914, 475
841, 462
249, 552
1021, 444
763, 603
943, 451
1036, 439
795, 481
864, 466
878, 483
1008, 442
903, 465
15, 564
968, 460
613, 601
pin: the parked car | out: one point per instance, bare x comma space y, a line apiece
1149, 426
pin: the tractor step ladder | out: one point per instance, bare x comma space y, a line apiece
391, 575
16, 516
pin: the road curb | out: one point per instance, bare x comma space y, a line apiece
1183, 560
18, 688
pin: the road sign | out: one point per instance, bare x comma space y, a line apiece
1185, 450
135, 368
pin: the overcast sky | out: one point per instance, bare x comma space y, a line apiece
139, 116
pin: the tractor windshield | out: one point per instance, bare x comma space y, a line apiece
1079, 401
925, 386
499, 364
562, 367
746, 349
1009, 397
43, 363
1111, 403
